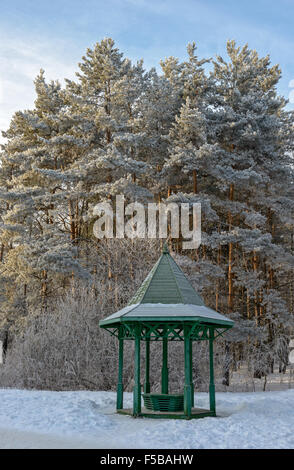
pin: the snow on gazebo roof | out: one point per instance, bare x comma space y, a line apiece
167, 295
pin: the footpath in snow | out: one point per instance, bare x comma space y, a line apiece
41, 419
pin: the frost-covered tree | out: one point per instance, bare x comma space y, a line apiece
237, 142
31, 228
223, 139
104, 102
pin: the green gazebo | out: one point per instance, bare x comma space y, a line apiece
165, 308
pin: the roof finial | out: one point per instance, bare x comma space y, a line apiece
165, 248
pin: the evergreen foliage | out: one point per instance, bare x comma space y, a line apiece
223, 138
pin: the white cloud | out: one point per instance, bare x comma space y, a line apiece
20, 62
291, 94
162, 7
21, 56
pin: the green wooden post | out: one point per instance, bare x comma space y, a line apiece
137, 386
120, 387
191, 374
147, 367
188, 378
164, 371
211, 381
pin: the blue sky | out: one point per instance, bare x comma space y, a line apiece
54, 34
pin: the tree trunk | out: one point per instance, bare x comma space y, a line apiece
256, 297
71, 220
44, 290
1, 252
195, 185
230, 273
226, 378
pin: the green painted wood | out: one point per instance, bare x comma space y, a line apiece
188, 378
177, 416
120, 388
188, 320
195, 414
137, 386
211, 373
191, 373
166, 284
227, 324
166, 294
163, 402
147, 367
164, 370
156, 331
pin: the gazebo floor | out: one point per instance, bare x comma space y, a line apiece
196, 413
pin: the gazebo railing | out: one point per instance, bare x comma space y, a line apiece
161, 331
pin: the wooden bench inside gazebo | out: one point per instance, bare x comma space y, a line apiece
165, 308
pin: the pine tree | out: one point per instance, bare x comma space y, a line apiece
223, 139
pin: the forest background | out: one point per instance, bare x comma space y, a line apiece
212, 131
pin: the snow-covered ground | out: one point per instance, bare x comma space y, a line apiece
41, 419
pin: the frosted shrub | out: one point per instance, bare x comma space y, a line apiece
63, 349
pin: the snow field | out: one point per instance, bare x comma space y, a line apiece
84, 419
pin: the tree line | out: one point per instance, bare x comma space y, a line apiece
213, 131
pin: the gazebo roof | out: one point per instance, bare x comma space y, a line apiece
166, 295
